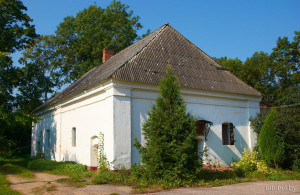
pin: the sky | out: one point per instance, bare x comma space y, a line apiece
232, 28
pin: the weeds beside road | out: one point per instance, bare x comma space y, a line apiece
78, 176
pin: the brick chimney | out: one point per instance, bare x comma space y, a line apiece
107, 53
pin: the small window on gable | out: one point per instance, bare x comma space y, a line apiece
227, 134
73, 136
48, 137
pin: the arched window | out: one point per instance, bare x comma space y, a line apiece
227, 134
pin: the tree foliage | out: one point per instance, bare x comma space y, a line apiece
288, 127
83, 37
276, 75
271, 145
16, 31
15, 27
170, 150
42, 74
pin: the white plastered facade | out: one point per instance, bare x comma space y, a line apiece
118, 109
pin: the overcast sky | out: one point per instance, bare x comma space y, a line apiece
233, 28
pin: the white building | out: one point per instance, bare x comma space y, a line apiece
115, 96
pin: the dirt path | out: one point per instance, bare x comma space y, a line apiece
45, 183
251, 188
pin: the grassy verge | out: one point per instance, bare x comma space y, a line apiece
136, 177
17, 170
141, 183
78, 174
4, 186
15, 166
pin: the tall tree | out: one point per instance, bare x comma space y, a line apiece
285, 70
42, 74
15, 32
85, 36
170, 150
15, 27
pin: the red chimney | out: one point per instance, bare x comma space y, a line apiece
107, 53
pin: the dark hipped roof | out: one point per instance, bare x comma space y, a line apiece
145, 62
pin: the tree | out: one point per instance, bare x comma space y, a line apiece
15, 32
233, 65
42, 74
271, 145
82, 38
15, 28
170, 151
287, 127
285, 60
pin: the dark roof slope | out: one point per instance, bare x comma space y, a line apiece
145, 62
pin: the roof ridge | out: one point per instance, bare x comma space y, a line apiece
163, 27
210, 59
119, 66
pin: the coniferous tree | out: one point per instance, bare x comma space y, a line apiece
170, 151
271, 145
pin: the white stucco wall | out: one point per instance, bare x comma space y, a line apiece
89, 112
119, 109
215, 107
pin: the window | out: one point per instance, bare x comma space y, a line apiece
200, 128
227, 134
73, 136
48, 138
39, 147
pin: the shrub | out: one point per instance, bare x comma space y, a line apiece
288, 127
249, 163
215, 168
271, 145
210, 175
170, 151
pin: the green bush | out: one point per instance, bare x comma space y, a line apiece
249, 163
210, 175
288, 127
271, 145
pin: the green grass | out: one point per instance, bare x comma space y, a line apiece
64, 168
77, 172
136, 177
51, 188
18, 170
5, 186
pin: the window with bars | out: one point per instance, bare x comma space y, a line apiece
227, 134
73, 136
